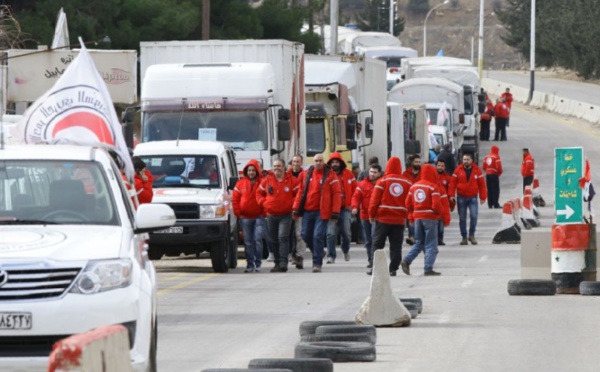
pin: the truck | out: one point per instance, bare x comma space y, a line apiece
355, 43
248, 93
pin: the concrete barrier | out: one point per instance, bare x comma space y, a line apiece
536, 257
528, 216
509, 232
569, 243
101, 349
538, 200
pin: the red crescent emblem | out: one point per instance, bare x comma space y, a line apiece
89, 121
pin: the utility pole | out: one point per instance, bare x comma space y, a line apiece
205, 19
333, 26
480, 53
532, 53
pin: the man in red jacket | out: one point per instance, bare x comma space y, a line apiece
508, 99
486, 118
493, 170
527, 168
388, 208
502, 113
467, 184
425, 208
347, 186
298, 246
413, 174
444, 180
246, 208
276, 195
318, 201
361, 199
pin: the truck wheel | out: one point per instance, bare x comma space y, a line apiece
219, 252
154, 253
232, 258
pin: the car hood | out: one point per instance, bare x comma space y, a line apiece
187, 195
60, 242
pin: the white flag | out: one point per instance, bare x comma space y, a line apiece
442, 115
61, 31
78, 109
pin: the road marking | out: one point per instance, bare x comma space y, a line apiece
467, 283
173, 277
483, 258
185, 284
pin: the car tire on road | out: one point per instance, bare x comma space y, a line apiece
416, 300
232, 257
154, 254
338, 337
589, 288
531, 287
219, 252
338, 352
153, 353
309, 327
294, 364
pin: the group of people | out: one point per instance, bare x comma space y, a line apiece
500, 112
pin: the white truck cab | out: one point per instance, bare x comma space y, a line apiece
196, 179
72, 254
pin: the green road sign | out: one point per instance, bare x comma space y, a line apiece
568, 169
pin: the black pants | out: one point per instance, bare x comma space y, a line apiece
484, 132
395, 233
493, 186
527, 181
500, 129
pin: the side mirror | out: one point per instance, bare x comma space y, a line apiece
351, 144
283, 130
481, 107
351, 127
461, 118
232, 182
412, 147
369, 127
283, 114
153, 216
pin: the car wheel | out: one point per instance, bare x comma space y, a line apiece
152, 355
218, 255
233, 251
154, 253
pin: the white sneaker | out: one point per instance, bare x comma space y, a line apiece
330, 260
271, 258
347, 256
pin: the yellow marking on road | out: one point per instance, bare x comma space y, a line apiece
173, 277
185, 284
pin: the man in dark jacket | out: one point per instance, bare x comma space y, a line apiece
448, 158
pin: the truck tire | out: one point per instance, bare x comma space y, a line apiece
338, 352
219, 251
294, 364
309, 327
232, 258
531, 287
589, 288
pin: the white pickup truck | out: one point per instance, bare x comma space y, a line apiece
72, 254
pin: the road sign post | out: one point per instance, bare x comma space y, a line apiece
568, 169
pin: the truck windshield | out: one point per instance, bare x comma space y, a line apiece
183, 171
55, 192
433, 113
391, 61
315, 136
244, 130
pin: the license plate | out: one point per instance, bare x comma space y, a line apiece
171, 230
15, 320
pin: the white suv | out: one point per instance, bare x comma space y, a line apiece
72, 254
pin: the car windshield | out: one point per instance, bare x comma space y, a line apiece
183, 170
55, 192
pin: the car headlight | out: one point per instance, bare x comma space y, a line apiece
103, 275
212, 211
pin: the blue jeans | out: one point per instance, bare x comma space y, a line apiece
463, 203
369, 231
279, 236
254, 233
440, 230
313, 233
343, 223
426, 233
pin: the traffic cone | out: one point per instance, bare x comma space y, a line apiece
538, 201
517, 211
533, 208
569, 245
509, 231
527, 214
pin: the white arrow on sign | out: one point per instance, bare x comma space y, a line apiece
567, 212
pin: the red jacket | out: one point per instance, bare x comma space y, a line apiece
347, 180
468, 188
508, 99
388, 201
243, 199
362, 197
409, 175
489, 112
492, 163
289, 171
326, 198
144, 189
528, 166
501, 111
444, 180
424, 198
277, 197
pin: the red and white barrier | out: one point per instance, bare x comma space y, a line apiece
517, 213
528, 214
101, 349
509, 231
569, 245
538, 201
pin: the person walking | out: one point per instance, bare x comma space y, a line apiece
347, 187
508, 100
413, 174
247, 208
501, 113
486, 118
318, 201
467, 184
360, 203
387, 210
527, 168
276, 195
444, 180
425, 209
447, 157
298, 246
492, 166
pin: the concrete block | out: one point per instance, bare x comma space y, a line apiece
536, 253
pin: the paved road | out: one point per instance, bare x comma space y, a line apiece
469, 322
548, 83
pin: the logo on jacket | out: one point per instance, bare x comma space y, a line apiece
396, 189
420, 196
488, 161
286, 189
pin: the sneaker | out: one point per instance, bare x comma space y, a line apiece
249, 269
441, 243
464, 241
432, 273
392, 273
370, 272
283, 269
473, 240
316, 269
271, 258
257, 269
276, 269
370, 265
347, 256
299, 262
410, 240
330, 260
405, 267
